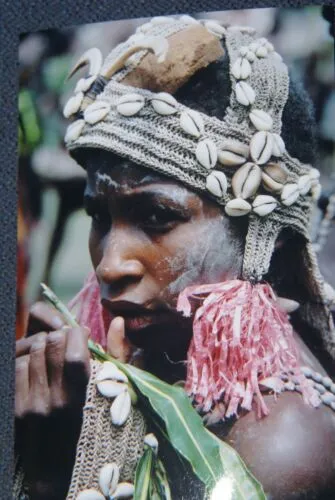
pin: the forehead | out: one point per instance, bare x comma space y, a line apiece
106, 167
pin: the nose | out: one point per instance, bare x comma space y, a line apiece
120, 267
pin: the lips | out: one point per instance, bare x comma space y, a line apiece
136, 323
136, 316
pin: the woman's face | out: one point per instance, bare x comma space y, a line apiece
150, 238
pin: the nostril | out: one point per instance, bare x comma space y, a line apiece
119, 286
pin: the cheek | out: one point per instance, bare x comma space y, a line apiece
205, 254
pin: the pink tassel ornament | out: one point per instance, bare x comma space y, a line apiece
240, 337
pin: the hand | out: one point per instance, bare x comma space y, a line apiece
52, 371
119, 346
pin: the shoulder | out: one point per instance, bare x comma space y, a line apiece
292, 450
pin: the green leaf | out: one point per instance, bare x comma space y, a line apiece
143, 475
209, 457
162, 479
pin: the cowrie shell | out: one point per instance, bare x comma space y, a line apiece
151, 440
85, 83
244, 50
108, 478
215, 28
164, 104
264, 204
120, 408
261, 51
237, 207
260, 119
314, 174
241, 68
162, 20
73, 105
216, 183
246, 180
111, 388
123, 490
274, 178
74, 130
96, 112
229, 158
304, 184
253, 46
261, 147
278, 147
144, 28
192, 123
109, 371
233, 154
130, 104
287, 305
188, 19
90, 494
269, 46
290, 194
206, 153
250, 56
245, 94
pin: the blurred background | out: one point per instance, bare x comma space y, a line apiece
52, 226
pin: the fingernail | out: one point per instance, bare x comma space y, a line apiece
118, 322
57, 322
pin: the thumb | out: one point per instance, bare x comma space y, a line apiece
117, 344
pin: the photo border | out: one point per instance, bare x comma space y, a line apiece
20, 16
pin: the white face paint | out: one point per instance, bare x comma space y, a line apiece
207, 258
106, 180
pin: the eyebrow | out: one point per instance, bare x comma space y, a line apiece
155, 196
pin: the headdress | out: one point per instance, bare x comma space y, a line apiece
126, 105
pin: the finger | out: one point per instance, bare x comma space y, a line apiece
38, 378
117, 344
21, 385
76, 346
55, 358
23, 346
43, 317
77, 365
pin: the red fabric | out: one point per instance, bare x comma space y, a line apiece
89, 311
240, 337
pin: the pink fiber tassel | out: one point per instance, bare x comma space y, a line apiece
90, 312
240, 337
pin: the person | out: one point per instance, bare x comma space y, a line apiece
198, 151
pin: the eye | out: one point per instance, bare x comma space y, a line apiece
160, 219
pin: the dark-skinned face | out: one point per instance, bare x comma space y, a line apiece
150, 238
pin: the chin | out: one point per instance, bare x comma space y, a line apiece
167, 338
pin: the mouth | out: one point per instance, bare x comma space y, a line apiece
137, 323
136, 316
146, 326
